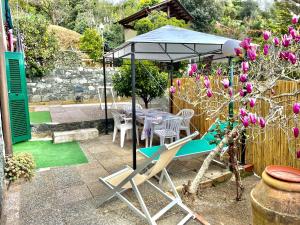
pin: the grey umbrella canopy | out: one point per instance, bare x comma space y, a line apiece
170, 43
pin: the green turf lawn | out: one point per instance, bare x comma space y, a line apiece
46, 154
40, 117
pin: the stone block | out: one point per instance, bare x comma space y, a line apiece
74, 135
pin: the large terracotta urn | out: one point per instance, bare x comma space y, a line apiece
275, 199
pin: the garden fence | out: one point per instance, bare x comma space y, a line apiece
270, 148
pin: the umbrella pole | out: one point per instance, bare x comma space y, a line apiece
105, 96
133, 106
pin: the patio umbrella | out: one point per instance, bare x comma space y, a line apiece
166, 44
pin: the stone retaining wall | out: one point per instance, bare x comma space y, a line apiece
66, 84
60, 85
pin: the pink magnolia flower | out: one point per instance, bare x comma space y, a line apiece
266, 35
245, 121
266, 49
172, 90
194, 67
191, 73
298, 154
249, 87
219, 71
284, 55
253, 118
225, 83
292, 58
252, 102
178, 83
297, 38
242, 93
251, 54
246, 43
262, 122
295, 19
238, 51
206, 83
285, 41
296, 108
296, 132
293, 33
230, 92
290, 28
243, 112
245, 66
243, 77
276, 41
209, 93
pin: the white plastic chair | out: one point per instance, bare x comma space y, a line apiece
128, 106
122, 127
168, 130
186, 115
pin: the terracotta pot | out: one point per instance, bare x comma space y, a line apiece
276, 202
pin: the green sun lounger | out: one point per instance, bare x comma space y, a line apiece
194, 147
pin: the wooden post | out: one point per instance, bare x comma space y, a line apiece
4, 90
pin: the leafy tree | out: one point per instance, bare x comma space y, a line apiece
241, 19
41, 45
248, 8
148, 86
156, 20
205, 12
57, 11
146, 3
91, 43
280, 16
113, 35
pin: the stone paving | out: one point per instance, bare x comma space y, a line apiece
69, 195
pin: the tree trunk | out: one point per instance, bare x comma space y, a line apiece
146, 104
192, 187
235, 170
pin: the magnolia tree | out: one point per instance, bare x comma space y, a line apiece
261, 68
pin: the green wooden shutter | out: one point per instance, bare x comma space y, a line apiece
18, 99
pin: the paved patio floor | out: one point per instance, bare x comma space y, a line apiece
69, 195
72, 113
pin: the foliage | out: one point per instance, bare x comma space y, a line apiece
150, 82
91, 43
19, 166
68, 59
156, 20
57, 11
113, 35
40, 45
241, 19
147, 3
280, 16
67, 39
205, 12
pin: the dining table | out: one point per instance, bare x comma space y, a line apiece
149, 119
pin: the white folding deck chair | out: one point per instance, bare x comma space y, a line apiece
130, 179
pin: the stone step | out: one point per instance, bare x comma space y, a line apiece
74, 135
